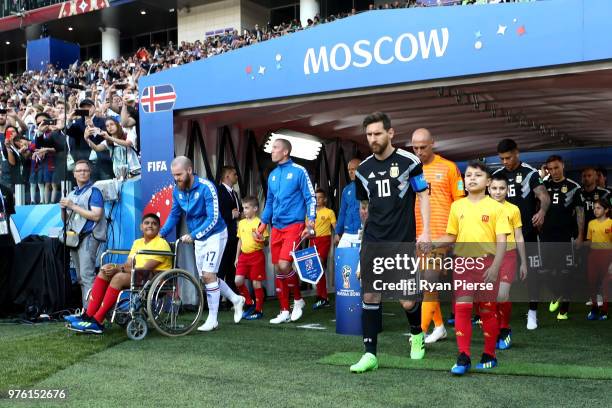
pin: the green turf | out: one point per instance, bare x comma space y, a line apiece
33, 352
255, 364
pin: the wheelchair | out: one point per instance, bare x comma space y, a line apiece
171, 301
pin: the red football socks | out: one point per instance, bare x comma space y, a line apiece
490, 327
293, 283
110, 298
244, 291
463, 326
504, 312
322, 288
97, 294
259, 299
282, 292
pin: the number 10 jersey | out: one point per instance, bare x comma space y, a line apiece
390, 186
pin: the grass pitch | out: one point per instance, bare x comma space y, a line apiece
255, 364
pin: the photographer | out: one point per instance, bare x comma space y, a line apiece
121, 145
13, 119
87, 117
129, 116
115, 105
18, 156
83, 213
48, 142
5, 178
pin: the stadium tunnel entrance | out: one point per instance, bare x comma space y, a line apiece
471, 75
563, 109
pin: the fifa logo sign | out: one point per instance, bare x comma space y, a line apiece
346, 276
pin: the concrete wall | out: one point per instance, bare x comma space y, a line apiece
252, 13
208, 17
216, 15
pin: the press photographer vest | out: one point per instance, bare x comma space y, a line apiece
76, 222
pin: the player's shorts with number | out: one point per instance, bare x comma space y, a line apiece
557, 255
208, 253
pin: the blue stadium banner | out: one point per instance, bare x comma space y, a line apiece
348, 292
376, 49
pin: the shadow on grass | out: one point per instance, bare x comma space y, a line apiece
51, 348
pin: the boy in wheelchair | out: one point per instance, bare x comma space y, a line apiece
112, 278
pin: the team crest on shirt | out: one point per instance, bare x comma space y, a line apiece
564, 189
181, 196
394, 170
196, 195
519, 178
289, 176
438, 176
485, 218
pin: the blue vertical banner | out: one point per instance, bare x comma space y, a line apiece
348, 292
157, 140
125, 215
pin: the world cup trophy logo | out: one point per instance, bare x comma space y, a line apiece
346, 276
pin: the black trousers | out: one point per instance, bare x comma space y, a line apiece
6, 265
227, 270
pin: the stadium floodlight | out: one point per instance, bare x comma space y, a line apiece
303, 146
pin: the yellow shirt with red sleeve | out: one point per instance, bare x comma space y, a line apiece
445, 186
514, 219
326, 218
245, 231
600, 234
156, 244
476, 226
